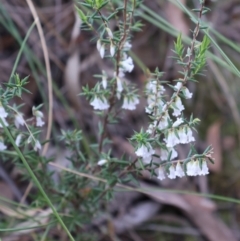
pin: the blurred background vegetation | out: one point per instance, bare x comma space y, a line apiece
74, 60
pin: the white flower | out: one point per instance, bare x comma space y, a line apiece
179, 171
187, 94
164, 121
178, 85
19, 120
99, 104
204, 170
18, 139
127, 64
39, 121
155, 87
165, 153
99, 45
177, 122
172, 174
37, 145
190, 137
127, 46
161, 174
119, 85
182, 135
101, 48
171, 139
145, 152
104, 80
130, 103
112, 49
190, 168
177, 107
193, 168
102, 162
110, 34
2, 146
102, 51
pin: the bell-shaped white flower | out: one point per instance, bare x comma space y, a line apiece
178, 85
165, 153
179, 171
101, 48
177, 107
110, 34
127, 64
161, 174
190, 168
119, 85
187, 94
99, 104
37, 145
127, 46
172, 174
189, 134
18, 139
130, 103
19, 121
164, 121
112, 49
204, 170
104, 80
171, 139
145, 152
2, 146
102, 162
178, 122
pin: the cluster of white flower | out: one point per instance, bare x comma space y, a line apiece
125, 65
194, 168
19, 121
